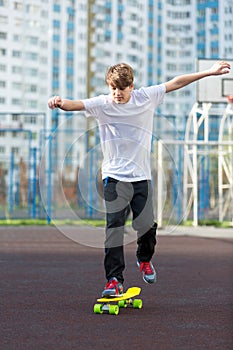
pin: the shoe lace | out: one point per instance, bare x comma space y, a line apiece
108, 285
111, 284
116, 285
146, 268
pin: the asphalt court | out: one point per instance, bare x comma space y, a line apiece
49, 284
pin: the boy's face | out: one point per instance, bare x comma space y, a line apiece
120, 95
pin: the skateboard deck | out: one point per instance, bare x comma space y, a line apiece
113, 304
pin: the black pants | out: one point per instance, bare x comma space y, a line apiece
118, 197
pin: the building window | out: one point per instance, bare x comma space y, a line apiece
33, 9
30, 120
32, 88
18, 6
32, 72
32, 56
3, 35
3, 20
32, 104
2, 84
15, 150
16, 53
16, 85
2, 52
15, 117
17, 38
19, 22
32, 40
17, 69
2, 68
16, 101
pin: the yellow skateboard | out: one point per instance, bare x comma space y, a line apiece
112, 305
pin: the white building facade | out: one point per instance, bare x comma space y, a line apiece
64, 47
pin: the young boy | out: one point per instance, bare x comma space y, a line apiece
125, 119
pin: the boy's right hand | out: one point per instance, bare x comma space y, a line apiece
55, 102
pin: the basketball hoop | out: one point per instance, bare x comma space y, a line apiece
230, 98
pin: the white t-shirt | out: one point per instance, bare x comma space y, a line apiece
126, 132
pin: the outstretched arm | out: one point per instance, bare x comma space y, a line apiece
180, 81
65, 105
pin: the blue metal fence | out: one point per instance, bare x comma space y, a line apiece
66, 184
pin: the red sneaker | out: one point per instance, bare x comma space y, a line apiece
148, 271
113, 288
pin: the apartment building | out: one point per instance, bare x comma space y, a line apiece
176, 52
90, 37
24, 59
188, 30
214, 29
63, 47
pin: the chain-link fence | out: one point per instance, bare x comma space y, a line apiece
60, 178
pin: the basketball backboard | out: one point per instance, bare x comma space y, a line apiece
214, 89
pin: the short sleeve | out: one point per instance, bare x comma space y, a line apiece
93, 105
155, 93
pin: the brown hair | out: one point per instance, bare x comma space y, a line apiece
120, 75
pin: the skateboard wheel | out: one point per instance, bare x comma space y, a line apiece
137, 303
122, 303
113, 309
98, 308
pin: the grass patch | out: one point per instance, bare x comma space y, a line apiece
98, 223
214, 223
17, 222
41, 222
84, 222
